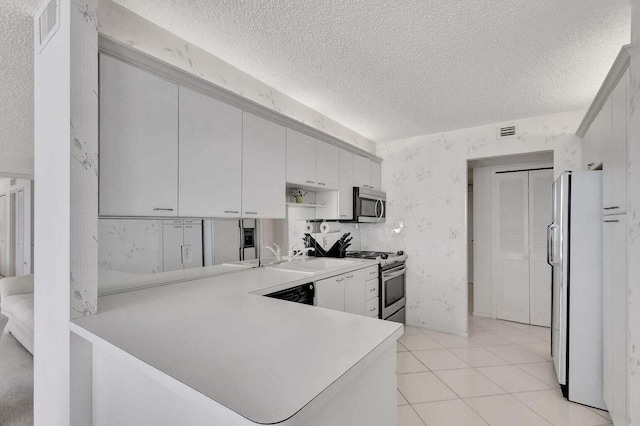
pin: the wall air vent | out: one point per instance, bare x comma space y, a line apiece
507, 132
47, 22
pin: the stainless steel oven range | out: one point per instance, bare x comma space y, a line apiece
392, 283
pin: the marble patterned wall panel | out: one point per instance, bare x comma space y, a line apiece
425, 179
84, 157
122, 25
130, 245
633, 218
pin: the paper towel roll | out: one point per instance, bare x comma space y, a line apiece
313, 227
330, 227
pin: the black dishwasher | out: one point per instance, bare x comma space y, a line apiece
300, 294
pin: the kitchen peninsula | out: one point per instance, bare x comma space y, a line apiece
215, 351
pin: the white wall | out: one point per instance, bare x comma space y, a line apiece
122, 25
65, 192
633, 219
426, 184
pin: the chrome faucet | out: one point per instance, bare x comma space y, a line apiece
302, 252
277, 252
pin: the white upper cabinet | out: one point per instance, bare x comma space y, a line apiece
138, 142
345, 202
210, 157
361, 171
375, 171
614, 167
366, 173
263, 168
328, 165
301, 158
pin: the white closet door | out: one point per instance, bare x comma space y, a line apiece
4, 240
19, 233
540, 216
511, 255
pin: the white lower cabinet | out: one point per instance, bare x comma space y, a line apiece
372, 308
615, 300
330, 293
355, 292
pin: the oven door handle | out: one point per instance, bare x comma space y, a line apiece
388, 276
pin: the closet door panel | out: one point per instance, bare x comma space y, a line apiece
540, 216
511, 245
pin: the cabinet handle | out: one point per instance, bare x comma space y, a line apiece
310, 181
612, 221
373, 273
159, 209
350, 276
341, 279
343, 215
611, 208
320, 183
371, 290
372, 309
177, 226
232, 211
250, 212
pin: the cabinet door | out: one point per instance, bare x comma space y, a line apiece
301, 158
172, 240
263, 168
210, 156
375, 171
192, 239
330, 293
355, 297
138, 142
345, 202
328, 165
361, 171
614, 168
615, 296
601, 132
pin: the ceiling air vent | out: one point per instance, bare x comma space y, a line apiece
507, 132
48, 18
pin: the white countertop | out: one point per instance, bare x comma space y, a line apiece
265, 359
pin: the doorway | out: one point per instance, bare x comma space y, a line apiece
508, 213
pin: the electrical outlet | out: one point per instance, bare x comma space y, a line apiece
325, 242
187, 256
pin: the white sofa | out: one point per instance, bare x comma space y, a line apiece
16, 303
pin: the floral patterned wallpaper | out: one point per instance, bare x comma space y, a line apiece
425, 178
130, 245
122, 25
84, 157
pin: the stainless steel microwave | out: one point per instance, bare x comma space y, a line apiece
369, 206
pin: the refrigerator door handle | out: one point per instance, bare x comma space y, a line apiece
550, 243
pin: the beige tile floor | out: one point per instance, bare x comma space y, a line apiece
501, 375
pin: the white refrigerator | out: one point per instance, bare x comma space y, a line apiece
575, 255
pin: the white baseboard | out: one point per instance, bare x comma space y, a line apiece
481, 314
441, 329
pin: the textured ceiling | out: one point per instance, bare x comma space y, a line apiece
16, 76
390, 70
